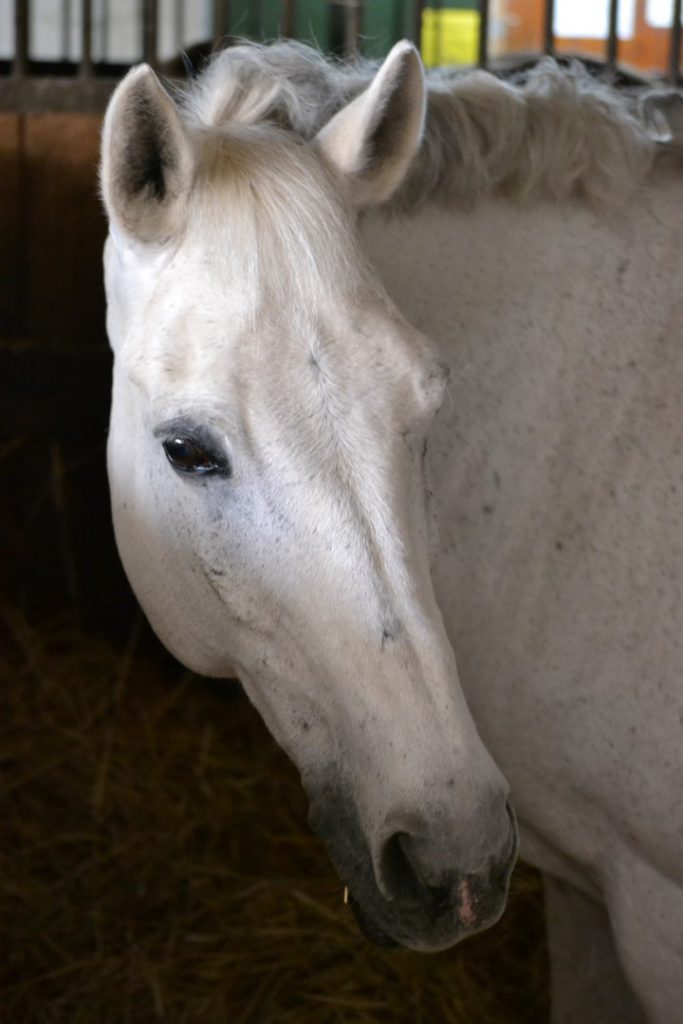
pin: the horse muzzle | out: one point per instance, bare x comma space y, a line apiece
417, 886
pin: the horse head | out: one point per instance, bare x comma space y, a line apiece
267, 462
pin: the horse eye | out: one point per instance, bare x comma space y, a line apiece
186, 455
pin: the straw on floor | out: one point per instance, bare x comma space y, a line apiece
157, 865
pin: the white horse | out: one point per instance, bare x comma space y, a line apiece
276, 503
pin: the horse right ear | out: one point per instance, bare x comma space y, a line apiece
147, 159
371, 141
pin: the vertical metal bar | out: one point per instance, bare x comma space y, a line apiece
178, 25
612, 37
221, 18
255, 22
86, 68
104, 30
149, 31
483, 56
548, 31
675, 52
66, 28
353, 20
21, 23
288, 19
418, 8
437, 39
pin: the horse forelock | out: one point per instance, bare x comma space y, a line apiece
266, 203
286, 83
559, 133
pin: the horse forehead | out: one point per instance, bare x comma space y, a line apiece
216, 298
202, 352
207, 314
212, 328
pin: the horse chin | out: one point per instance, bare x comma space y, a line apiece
370, 930
418, 933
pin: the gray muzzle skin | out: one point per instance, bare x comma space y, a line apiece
411, 891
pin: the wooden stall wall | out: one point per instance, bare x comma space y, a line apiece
57, 549
649, 49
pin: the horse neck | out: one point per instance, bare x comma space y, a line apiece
538, 269
562, 328
559, 325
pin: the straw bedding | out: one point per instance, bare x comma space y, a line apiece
156, 865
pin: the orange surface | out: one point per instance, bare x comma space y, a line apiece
648, 50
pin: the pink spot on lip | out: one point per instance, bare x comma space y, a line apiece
466, 911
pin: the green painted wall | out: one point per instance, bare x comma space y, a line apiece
320, 22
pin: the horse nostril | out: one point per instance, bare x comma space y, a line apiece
399, 876
422, 865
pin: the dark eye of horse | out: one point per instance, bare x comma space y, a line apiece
185, 455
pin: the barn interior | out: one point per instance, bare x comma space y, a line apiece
156, 862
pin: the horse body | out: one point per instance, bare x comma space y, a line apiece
270, 478
557, 469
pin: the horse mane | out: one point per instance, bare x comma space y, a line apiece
559, 132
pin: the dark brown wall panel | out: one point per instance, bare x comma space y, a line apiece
65, 229
56, 544
12, 240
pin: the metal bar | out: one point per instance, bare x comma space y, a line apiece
178, 25
149, 31
104, 30
21, 23
612, 37
86, 67
417, 22
437, 7
66, 28
353, 19
483, 56
221, 18
675, 52
548, 33
255, 19
29, 94
288, 19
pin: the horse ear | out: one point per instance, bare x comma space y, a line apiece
664, 116
147, 159
373, 139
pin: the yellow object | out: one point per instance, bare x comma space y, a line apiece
449, 37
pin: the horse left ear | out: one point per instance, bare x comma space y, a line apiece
147, 159
372, 141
